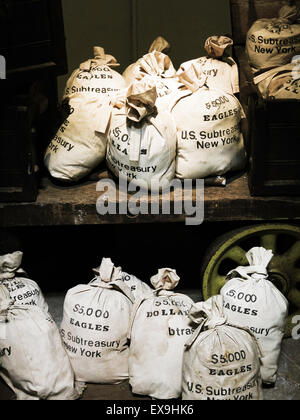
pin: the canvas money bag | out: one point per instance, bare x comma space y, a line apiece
141, 140
138, 288
144, 66
159, 329
95, 325
280, 83
221, 361
155, 68
221, 70
77, 148
22, 290
210, 141
252, 301
274, 42
33, 361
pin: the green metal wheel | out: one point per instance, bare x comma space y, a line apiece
229, 251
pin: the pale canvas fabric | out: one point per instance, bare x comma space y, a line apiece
156, 67
33, 361
221, 70
95, 325
138, 288
280, 83
141, 139
77, 149
221, 362
160, 44
252, 301
210, 141
22, 290
160, 328
274, 42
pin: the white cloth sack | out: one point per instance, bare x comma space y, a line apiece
33, 361
160, 328
209, 137
221, 362
221, 70
274, 42
252, 301
138, 288
280, 83
22, 290
151, 64
95, 325
160, 44
77, 148
141, 141
155, 68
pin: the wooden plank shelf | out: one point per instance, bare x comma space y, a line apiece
76, 205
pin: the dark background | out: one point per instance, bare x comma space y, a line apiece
59, 258
127, 28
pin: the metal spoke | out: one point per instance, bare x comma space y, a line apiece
229, 252
236, 254
293, 254
269, 241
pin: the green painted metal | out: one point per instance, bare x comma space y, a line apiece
284, 268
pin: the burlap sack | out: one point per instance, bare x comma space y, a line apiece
33, 361
209, 137
160, 328
274, 42
221, 362
221, 70
77, 148
141, 141
252, 301
95, 325
280, 83
22, 290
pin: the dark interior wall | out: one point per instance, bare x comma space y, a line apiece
126, 28
185, 24
59, 258
96, 22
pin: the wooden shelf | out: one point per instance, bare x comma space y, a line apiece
76, 205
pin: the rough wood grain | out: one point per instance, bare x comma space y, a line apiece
69, 206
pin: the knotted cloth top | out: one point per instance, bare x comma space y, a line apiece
10, 264
209, 314
217, 45
100, 59
259, 258
166, 279
289, 14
